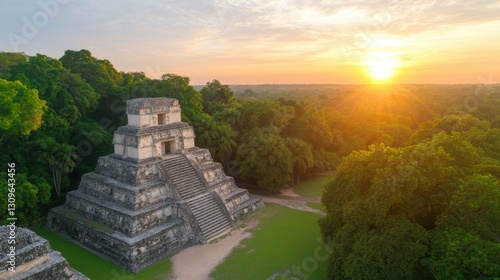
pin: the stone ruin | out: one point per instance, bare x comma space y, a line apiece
157, 194
34, 258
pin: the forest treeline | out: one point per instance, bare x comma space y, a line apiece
416, 192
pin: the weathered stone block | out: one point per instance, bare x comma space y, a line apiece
34, 258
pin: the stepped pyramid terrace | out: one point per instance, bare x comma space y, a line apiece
33, 257
157, 194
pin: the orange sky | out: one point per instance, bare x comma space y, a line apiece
254, 42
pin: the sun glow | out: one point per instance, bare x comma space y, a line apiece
382, 68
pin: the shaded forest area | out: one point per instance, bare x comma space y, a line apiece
416, 192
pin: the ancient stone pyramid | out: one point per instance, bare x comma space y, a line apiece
155, 195
33, 257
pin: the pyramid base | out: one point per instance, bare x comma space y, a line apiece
131, 253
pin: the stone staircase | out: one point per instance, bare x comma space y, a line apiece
237, 201
183, 176
209, 215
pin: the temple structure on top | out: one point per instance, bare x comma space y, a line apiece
157, 194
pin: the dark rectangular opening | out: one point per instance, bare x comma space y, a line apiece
161, 119
166, 147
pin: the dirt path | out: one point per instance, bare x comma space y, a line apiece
290, 199
197, 262
294, 204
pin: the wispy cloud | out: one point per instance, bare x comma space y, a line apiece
195, 33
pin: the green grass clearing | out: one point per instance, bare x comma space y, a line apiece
313, 186
285, 238
96, 268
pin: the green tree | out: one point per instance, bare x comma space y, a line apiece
489, 109
100, 74
229, 115
31, 194
399, 133
324, 160
265, 159
448, 124
59, 157
262, 113
178, 87
460, 254
7, 61
215, 95
415, 198
309, 124
21, 109
465, 242
302, 158
218, 138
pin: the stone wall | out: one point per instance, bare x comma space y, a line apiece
132, 253
34, 258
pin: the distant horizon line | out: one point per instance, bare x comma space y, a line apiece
366, 84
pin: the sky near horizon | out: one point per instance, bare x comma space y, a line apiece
256, 42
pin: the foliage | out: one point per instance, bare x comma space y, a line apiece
215, 95
217, 137
265, 158
466, 244
31, 196
7, 60
59, 157
388, 208
302, 158
461, 254
21, 109
309, 124
100, 74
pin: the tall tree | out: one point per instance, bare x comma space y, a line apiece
265, 159
218, 138
100, 74
309, 124
302, 157
178, 87
21, 109
215, 95
59, 157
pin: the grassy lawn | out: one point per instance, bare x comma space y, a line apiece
96, 268
313, 186
284, 239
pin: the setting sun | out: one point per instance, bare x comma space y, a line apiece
381, 68
381, 71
